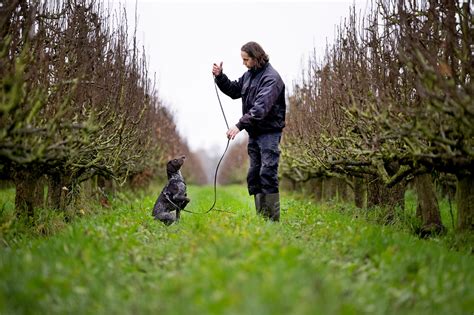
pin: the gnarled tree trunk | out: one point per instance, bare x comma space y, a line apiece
26, 192
428, 208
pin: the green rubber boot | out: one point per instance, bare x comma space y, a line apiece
271, 206
259, 203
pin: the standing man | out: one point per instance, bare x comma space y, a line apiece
263, 108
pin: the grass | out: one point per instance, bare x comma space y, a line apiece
318, 260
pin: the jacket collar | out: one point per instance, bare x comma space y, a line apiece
257, 70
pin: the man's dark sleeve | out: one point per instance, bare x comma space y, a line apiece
230, 88
265, 99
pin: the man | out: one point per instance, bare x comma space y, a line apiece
263, 108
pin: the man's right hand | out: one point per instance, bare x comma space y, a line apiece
217, 69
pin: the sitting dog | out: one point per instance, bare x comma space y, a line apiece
173, 197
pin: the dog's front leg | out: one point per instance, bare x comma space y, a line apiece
181, 200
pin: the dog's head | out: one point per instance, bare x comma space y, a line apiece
174, 165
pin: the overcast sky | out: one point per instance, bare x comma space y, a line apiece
182, 40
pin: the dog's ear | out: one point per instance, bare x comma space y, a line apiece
170, 167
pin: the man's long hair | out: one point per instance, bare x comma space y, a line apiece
256, 52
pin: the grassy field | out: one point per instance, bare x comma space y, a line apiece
321, 259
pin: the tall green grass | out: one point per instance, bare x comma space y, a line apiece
317, 260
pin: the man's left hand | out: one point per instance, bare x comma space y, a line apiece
232, 132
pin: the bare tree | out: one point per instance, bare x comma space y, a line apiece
391, 101
76, 100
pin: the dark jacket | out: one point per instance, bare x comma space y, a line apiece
263, 99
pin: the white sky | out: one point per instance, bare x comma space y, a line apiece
182, 40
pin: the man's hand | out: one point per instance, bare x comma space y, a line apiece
217, 70
232, 132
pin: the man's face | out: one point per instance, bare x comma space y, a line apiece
248, 61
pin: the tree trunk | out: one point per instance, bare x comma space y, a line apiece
25, 186
59, 187
465, 203
428, 208
318, 189
38, 194
378, 194
359, 192
395, 196
342, 189
54, 191
329, 188
374, 192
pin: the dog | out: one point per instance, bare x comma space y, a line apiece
173, 198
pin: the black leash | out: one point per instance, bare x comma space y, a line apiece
222, 109
217, 168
